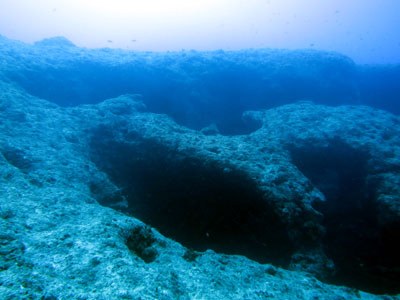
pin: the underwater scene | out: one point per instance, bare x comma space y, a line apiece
195, 174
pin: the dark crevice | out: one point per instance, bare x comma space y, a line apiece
366, 255
17, 158
196, 203
141, 241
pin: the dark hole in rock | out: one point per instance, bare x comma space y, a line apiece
17, 158
141, 241
192, 201
366, 255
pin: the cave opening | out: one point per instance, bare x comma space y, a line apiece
195, 202
365, 254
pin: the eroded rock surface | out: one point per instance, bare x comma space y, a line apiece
112, 201
259, 195
313, 181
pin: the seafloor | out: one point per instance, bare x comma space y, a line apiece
129, 197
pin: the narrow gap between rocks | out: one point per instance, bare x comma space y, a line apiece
196, 203
365, 254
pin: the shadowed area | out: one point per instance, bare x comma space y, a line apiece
365, 252
197, 203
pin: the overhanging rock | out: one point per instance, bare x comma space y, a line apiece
263, 195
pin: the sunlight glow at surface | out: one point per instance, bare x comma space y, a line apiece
366, 30
149, 7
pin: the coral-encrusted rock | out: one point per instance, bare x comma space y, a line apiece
314, 189
276, 195
313, 179
372, 136
250, 195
